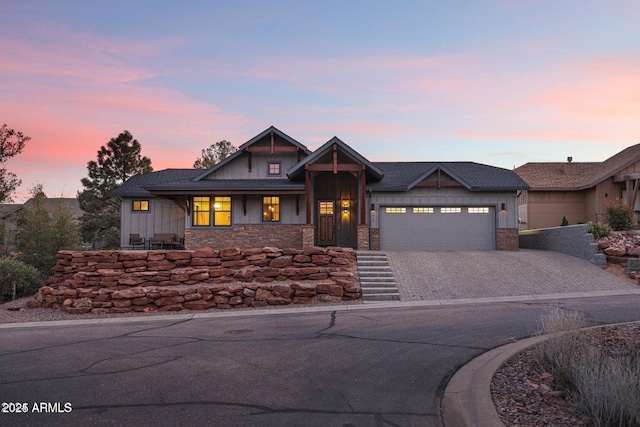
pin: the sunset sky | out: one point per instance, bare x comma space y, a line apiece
496, 82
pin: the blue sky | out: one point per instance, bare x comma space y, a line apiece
496, 82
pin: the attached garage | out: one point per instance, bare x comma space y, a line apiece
437, 228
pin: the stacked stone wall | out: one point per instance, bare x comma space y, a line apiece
508, 239
245, 236
574, 240
141, 281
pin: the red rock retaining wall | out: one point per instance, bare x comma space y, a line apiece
126, 281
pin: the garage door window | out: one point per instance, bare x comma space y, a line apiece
422, 210
450, 210
482, 210
395, 210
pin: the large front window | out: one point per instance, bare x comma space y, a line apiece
271, 209
206, 208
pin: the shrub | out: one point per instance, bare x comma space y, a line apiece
604, 384
564, 222
599, 229
18, 277
620, 216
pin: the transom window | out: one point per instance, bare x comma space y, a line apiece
395, 210
204, 211
274, 168
422, 210
271, 209
450, 210
478, 210
140, 205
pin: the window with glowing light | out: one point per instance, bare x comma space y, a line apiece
201, 211
204, 209
271, 209
140, 205
221, 211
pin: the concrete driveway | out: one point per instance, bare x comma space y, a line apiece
424, 276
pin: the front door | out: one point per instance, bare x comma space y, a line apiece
326, 223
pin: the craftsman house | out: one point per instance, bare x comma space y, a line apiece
577, 191
275, 192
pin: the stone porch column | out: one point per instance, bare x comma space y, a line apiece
308, 236
363, 238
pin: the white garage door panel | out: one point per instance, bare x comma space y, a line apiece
437, 231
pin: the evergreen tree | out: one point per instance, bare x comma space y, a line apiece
116, 162
35, 236
213, 155
65, 229
43, 232
11, 144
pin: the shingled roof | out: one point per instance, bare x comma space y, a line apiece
398, 176
136, 185
552, 175
402, 176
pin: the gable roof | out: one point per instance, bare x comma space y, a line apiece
402, 176
372, 170
206, 172
552, 176
381, 176
136, 185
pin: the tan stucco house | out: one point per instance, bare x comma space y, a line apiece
577, 191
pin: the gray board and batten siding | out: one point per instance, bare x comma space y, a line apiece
163, 214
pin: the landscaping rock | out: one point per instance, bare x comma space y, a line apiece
141, 281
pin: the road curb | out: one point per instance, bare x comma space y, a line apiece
467, 399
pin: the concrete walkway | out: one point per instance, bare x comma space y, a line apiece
439, 276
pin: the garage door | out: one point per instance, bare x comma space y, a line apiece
437, 228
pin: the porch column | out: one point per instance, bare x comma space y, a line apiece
363, 196
308, 193
632, 192
308, 231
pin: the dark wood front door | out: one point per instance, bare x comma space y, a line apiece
326, 222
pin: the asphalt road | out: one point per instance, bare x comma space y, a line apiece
357, 367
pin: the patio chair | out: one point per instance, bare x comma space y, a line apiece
136, 240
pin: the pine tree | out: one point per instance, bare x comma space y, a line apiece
35, 236
213, 155
116, 162
43, 232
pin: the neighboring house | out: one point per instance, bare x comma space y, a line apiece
577, 191
275, 192
10, 213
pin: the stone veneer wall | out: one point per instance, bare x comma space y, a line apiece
572, 240
375, 239
508, 239
363, 237
126, 281
245, 236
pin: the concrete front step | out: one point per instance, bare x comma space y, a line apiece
379, 290
376, 277
380, 298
